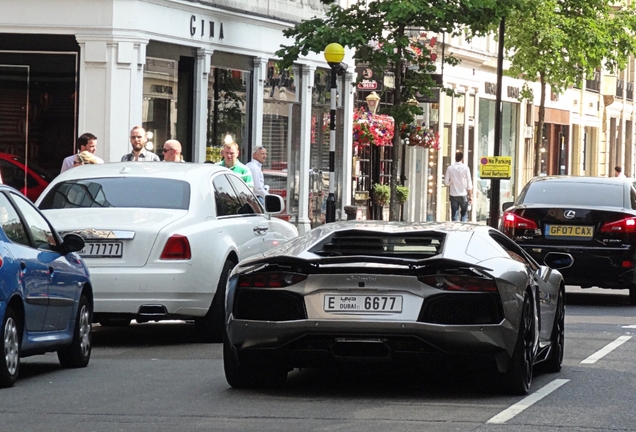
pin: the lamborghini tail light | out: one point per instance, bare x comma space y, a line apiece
626, 225
270, 280
177, 248
512, 221
459, 283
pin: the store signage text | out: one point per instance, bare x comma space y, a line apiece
156, 88
205, 28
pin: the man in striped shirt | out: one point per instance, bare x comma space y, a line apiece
230, 160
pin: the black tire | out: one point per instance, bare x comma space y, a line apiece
211, 327
557, 341
78, 353
256, 375
10, 366
114, 322
518, 378
632, 295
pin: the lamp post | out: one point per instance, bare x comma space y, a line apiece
373, 100
334, 53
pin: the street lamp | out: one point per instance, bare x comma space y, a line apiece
373, 100
334, 53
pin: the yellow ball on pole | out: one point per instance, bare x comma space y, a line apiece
334, 53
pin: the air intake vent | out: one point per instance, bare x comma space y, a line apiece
261, 305
462, 309
361, 242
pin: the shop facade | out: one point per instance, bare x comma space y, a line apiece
182, 70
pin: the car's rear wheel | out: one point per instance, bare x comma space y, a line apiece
632, 295
518, 378
78, 353
211, 327
10, 366
255, 375
557, 340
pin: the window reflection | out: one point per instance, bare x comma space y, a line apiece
228, 97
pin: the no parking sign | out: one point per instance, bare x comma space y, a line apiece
495, 167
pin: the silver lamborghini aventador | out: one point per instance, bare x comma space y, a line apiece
395, 292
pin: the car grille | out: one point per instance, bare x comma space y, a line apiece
262, 305
462, 309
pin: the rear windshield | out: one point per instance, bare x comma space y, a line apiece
138, 192
361, 242
583, 194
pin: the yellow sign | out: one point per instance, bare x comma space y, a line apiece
491, 167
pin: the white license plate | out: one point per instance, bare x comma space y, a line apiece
363, 303
102, 249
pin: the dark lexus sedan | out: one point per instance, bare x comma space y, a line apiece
591, 218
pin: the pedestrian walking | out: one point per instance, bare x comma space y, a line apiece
460, 188
86, 142
138, 142
256, 167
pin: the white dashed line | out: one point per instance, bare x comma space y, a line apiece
517, 408
606, 350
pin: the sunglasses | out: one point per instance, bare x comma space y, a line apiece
166, 150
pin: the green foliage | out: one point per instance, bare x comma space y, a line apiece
381, 194
379, 34
560, 42
402, 194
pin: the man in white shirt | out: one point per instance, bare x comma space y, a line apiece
460, 187
618, 171
86, 142
256, 167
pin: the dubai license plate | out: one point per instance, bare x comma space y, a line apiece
561, 231
363, 303
102, 249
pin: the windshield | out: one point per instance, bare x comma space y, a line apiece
574, 193
137, 192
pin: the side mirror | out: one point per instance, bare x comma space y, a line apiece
274, 204
558, 260
505, 206
72, 243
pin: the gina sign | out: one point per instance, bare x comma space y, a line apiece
205, 28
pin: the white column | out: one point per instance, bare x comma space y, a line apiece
260, 75
110, 90
304, 224
348, 94
441, 193
201, 78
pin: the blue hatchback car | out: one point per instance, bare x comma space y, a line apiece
46, 298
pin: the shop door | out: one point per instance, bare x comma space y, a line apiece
14, 108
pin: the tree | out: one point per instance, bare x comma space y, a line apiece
560, 42
378, 35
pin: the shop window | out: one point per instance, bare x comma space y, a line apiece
159, 109
229, 93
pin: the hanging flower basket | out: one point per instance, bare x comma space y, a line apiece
370, 128
420, 136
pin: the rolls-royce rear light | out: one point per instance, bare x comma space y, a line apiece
177, 248
514, 221
459, 283
626, 225
270, 280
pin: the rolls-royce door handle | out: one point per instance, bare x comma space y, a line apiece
260, 230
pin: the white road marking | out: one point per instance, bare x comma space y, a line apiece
528, 401
630, 326
606, 350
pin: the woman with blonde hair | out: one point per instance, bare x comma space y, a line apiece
85, 158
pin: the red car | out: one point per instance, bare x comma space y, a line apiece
24, 176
